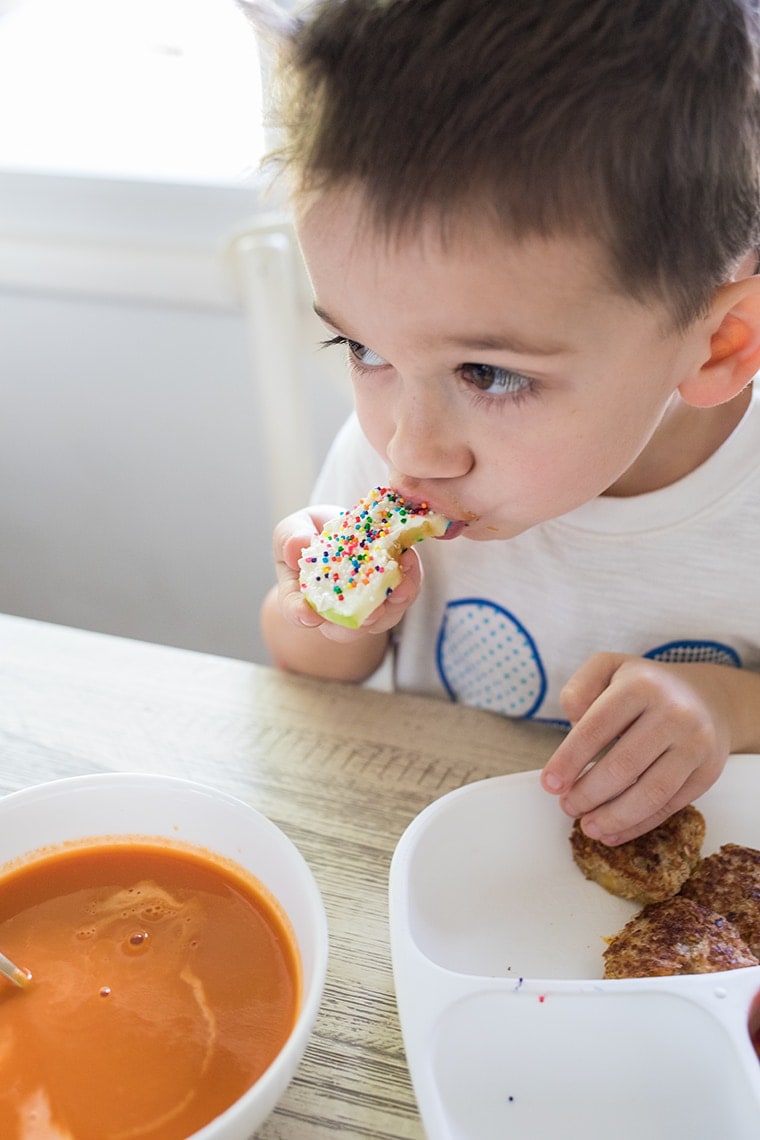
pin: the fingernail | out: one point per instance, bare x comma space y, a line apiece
592, 830
551, 782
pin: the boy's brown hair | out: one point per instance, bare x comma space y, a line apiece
633, 121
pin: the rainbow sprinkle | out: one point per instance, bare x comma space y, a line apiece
355, 555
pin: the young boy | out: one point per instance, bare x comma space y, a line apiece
534, 225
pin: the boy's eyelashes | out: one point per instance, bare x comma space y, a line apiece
358, 352
486, 379
332, 341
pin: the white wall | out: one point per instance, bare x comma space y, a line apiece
134, 466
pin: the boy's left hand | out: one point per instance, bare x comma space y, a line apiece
648, 737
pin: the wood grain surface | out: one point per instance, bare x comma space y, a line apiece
342, 770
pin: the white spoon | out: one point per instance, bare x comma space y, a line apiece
14, 973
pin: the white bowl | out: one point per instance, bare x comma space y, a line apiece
176, 809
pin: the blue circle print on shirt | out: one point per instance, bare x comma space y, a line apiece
487, 659
688, 652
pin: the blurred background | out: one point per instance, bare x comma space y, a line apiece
162, 397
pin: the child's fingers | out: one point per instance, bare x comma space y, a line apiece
609, 694
634, 780
651, 742
635, 737
296, 531
601, 716
588, 683
409, 586
291, 535
389, 614
632, 814
626, 817
290, 600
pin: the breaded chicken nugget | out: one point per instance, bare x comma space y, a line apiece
650, 868
729, 882
676, 936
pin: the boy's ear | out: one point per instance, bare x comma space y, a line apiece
734, 346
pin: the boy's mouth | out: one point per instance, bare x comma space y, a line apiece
456, 525
454, 529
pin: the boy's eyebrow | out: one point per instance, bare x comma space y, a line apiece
507, 343
325, 316
485, 343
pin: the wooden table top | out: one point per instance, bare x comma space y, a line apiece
342, 770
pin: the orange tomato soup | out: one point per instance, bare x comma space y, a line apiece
164, 983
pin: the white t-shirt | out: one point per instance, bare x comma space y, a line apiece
673, 575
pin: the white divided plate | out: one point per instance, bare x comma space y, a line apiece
510, 1033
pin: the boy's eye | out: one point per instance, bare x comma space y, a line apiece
359, 353
365, 356
493, 380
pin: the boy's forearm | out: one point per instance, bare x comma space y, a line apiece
302, 650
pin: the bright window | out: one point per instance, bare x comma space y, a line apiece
165, 90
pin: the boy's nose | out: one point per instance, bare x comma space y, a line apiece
428, 445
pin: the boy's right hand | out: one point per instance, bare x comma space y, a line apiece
295, 532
